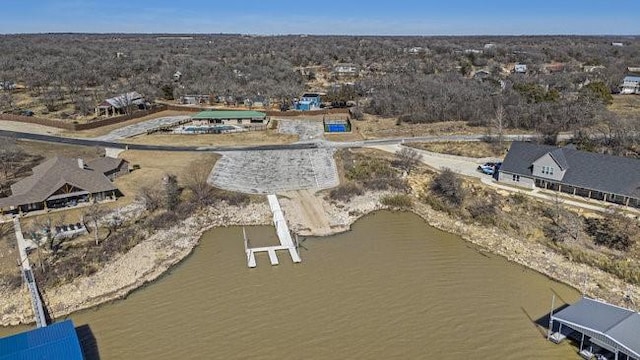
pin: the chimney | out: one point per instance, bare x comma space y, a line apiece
80, 163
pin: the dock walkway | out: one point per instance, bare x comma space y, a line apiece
284, 235
27, 274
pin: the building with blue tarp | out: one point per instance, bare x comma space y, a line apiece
54, 342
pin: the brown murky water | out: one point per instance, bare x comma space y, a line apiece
393, 288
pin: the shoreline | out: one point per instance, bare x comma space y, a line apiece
159, 253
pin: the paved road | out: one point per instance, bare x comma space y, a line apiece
302, 145
120, 145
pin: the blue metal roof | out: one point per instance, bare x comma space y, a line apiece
53, 342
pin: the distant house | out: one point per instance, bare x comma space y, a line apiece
481, 75
617, 44
308, 102
7, 85
416, 50
520, 69
554, 67
633, 70
592, 68
121, 104
596, 176
489, 46
630, 85
345, 70
194, 99
177, 76
60, 182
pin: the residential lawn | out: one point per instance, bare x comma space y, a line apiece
354, 135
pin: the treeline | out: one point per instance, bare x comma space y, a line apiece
420, 79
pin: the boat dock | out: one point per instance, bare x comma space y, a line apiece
284, 235
27, 275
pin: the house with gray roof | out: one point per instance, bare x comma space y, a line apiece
60, 182
609, 178
599, 328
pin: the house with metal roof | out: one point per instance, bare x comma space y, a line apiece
600, 328
59, 182
608, 178
56, 341
630, 85
235, 117
121, 104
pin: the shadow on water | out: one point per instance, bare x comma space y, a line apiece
544, 320
88, 343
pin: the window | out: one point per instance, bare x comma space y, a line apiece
547, 170
516, 178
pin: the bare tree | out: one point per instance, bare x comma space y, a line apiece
150, 197
94, 213
196, 181
408, 159
498, 122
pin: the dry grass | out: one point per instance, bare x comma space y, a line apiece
626, 105
478, 149
351, 136
244, 138
154, 164
49, 149
374, 127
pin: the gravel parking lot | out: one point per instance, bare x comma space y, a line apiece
307, 130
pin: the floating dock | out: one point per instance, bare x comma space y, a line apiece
284, 235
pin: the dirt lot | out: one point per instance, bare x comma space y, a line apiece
468, 149
244, 138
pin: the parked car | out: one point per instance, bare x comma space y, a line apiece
489, 168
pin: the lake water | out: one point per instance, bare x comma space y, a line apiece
393, 288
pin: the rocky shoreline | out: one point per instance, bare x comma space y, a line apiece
151, 258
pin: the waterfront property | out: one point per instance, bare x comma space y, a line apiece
602, 330
228, 117
609, 178
56, 341
60, 182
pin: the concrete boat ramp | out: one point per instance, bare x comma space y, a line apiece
284, 235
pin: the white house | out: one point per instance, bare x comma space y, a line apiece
520, 69
630, 85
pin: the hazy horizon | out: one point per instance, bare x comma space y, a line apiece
356, 18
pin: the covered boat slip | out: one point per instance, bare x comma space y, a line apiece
603, 331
